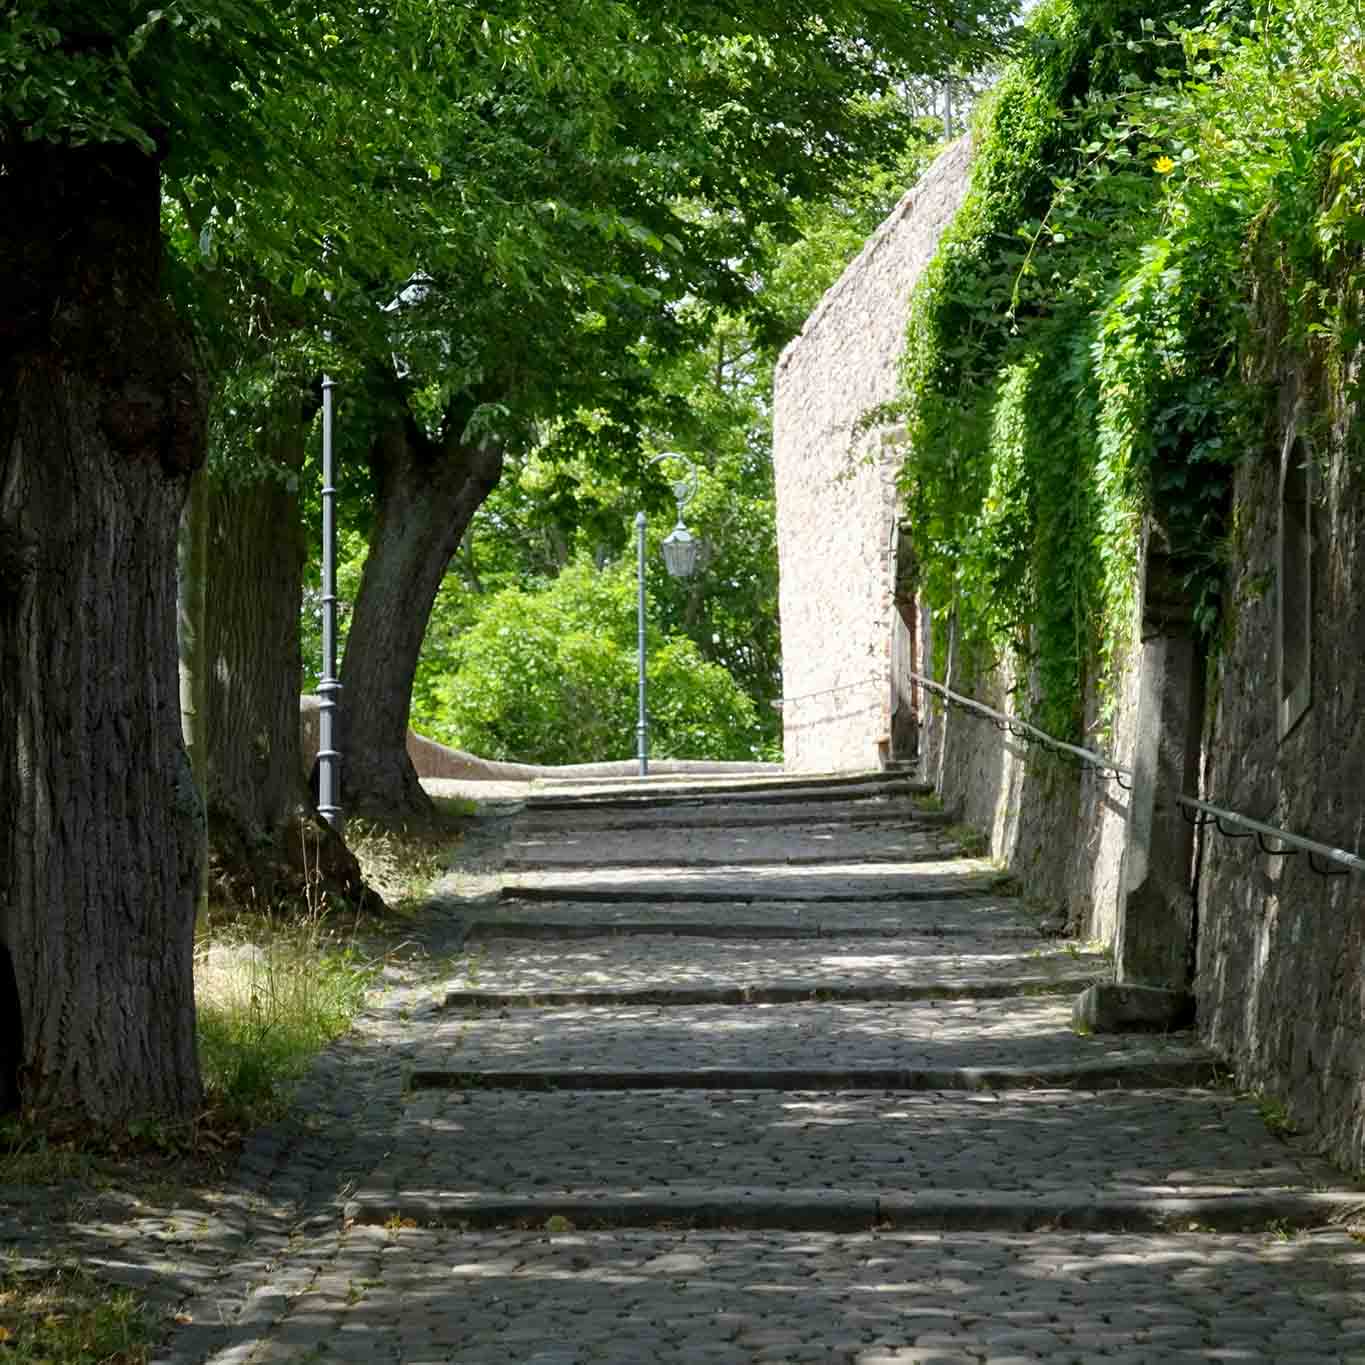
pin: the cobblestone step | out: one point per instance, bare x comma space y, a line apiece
969, 917
1148, 1069
943, 1044
489, 930
609, 964
827, 1209
776, 992
870, 811
899, 883
417, 1296
1202, 1142
761, 847
624, 796
833, 1160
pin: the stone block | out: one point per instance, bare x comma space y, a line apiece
1110, 1008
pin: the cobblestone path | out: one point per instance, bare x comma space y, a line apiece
773, 1074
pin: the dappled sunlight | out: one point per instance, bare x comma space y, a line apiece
885, 875
522, 971
668, 1295
1022, 1033
1141, 1143
752, 847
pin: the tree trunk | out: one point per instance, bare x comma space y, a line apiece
191, 610
269, 849
101, 426
427, 493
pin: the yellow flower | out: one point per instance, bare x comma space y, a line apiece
1163, 165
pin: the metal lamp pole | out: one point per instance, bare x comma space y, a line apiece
329, 687
680, 559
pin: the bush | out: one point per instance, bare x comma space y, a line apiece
549, 676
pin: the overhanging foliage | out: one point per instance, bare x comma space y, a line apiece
1080, 354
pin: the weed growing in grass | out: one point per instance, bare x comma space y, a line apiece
270, 997
62, 1314
970, 841
1275, 1116
401, 864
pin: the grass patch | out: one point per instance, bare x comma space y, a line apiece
970, 840
65, 1316
270, 996
1275, 1116
404, 864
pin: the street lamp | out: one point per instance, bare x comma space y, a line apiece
329, 686
680, 559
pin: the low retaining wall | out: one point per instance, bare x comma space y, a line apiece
433, 760
1059, 828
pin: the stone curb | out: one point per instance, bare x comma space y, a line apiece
796, 992
776, 792
482, 930
906, 817
587, 895
1145, 1073
839, 1210
911, 856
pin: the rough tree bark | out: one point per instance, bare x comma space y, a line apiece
191, 612
101, 426
268, 845
428, 492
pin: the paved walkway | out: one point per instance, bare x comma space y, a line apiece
768, 1075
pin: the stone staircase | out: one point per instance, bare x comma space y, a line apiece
798, 1005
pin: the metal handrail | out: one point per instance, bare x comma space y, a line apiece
1204, 811
1297, 843
1021, 729
777, 703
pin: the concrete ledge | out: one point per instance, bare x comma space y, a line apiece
840, 1210
1110, 1008
1138, 1073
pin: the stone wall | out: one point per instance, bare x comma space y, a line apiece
1278, 952
440, 762
836, 491
1280, 977
1058, 827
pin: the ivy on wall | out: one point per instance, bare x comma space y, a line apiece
1081, 352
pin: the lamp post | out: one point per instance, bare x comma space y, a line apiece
329, 686
680, 559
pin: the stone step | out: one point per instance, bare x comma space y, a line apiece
829, 1209
550, 918
623, 797
945, 1044
543, 930
606, 968
1169, 1068
779, 992
801, 845
838, 1160
683, 1297
831, 882
526, 858
874, 811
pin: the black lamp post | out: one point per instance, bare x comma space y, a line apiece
679, 548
